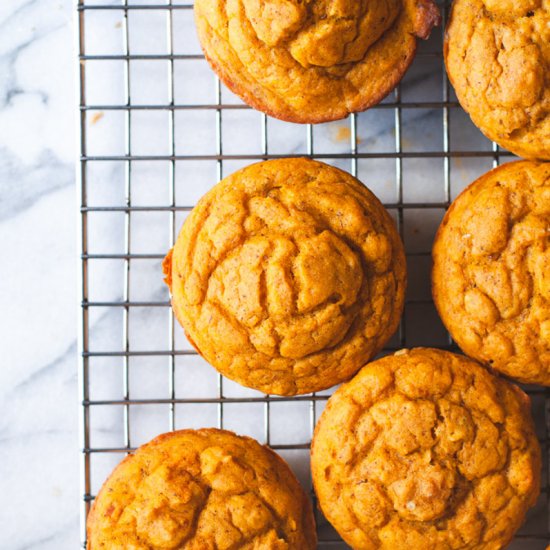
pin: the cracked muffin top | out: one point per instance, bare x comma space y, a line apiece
498, 59
426, 449
491, 270
312, 60
288, 276
202, 490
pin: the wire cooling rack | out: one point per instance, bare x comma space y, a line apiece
157, 130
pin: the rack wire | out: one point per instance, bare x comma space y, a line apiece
107, 369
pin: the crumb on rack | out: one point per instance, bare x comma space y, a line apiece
96, 117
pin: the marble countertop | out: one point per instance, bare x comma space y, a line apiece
38, 291
39, 295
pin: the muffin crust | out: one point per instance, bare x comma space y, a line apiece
287, 276
312, 60
497, 54
491, 270
201, 490
426, 449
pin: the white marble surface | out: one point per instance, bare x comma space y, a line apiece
38, 220
38, 415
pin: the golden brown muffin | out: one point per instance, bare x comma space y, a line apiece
425, 449
201, 490
491, 270
312, 60
497, 54
287, 276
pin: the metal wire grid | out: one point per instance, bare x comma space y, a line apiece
327, 538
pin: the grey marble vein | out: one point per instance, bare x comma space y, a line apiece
21, 185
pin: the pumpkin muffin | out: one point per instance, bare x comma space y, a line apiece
497, 54
199, 490
312, 60
425, 449
287, 276
491, 270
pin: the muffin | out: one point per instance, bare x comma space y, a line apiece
497, 54
201, 489
491, 270
425, 449
312, 60
287, 276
